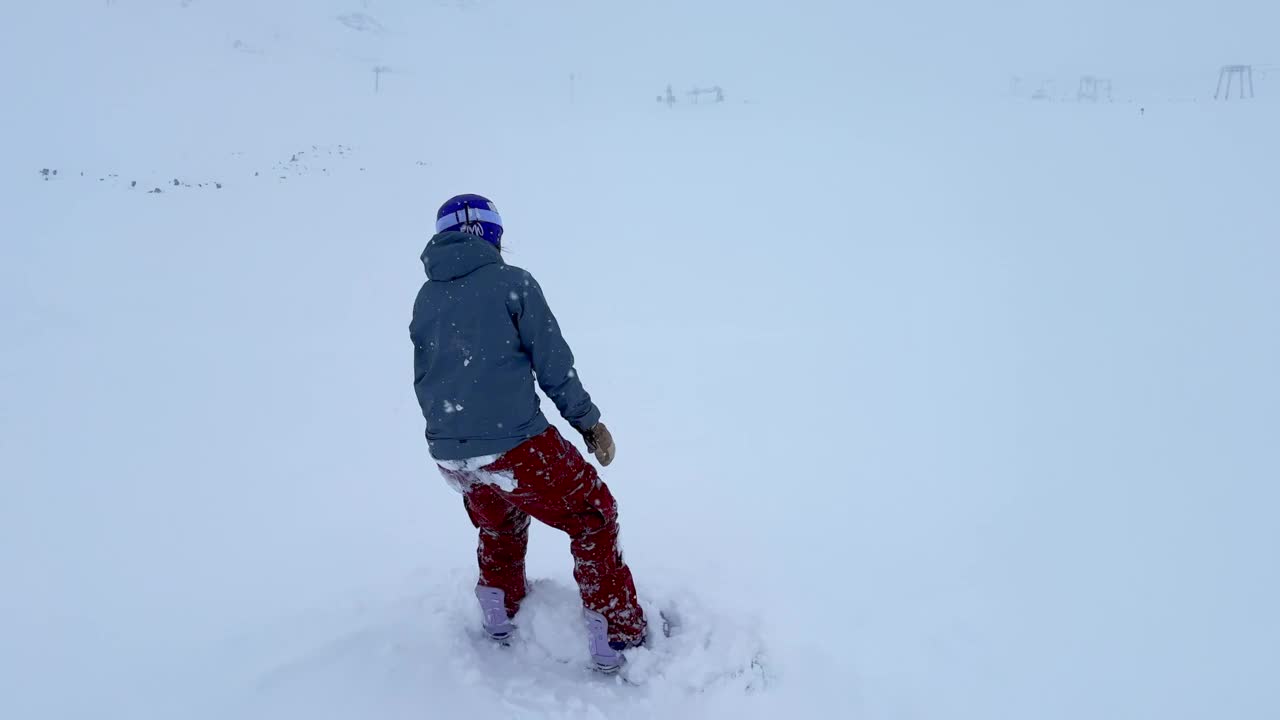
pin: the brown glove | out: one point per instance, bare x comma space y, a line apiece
600, 443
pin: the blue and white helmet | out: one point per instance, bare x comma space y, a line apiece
473, 214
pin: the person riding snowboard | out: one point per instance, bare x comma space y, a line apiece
482, 332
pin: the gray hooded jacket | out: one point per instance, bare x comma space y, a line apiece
481, 332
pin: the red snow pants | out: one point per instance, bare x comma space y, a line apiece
557, 486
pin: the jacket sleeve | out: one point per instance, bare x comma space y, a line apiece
552, 359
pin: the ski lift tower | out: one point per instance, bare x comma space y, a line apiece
1232, 72
1093, 89
669, 98
717, 92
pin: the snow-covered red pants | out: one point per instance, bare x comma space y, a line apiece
556, 485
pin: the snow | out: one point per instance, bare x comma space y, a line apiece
472, 470
399, 655
929, 402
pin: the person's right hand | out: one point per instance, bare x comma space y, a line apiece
600, 443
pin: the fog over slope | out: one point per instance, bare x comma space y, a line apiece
932, 400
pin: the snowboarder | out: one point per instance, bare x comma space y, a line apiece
482, 332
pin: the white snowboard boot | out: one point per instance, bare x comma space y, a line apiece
606, 655
493, 603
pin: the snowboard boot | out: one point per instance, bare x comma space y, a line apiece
494, 606
607, 655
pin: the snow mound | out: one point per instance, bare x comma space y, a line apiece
704, 652
425, 654
360, 22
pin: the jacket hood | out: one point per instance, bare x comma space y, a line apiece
451, 255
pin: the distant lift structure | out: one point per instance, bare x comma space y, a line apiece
715, 91
695, 95
1093, 89
1232, 72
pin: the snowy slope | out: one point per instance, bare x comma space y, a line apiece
926, 408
